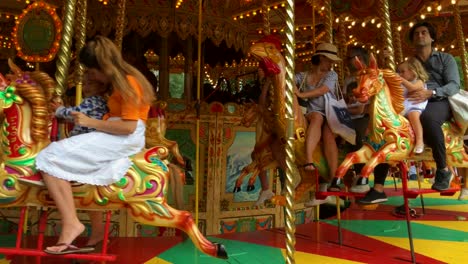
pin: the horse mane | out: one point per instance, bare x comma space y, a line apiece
396, 90
38, 94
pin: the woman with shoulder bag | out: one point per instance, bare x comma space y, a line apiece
317, 82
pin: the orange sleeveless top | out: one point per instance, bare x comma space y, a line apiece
129, 109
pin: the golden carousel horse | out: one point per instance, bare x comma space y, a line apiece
390, 136
24, 132
262, 156
273, 122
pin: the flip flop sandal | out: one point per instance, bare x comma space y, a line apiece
95, 246
70, 249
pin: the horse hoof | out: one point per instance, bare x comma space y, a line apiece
236, 189
250, 188
221, 251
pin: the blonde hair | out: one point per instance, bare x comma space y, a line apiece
103, 54
415, 65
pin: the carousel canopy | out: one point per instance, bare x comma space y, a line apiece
230, 26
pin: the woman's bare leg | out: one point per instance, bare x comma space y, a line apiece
314, 133
61, 192
331, 151
97, 227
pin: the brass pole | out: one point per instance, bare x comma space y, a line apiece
290, 158
313, 26
461, 42
328, 21
120, 24
384, 14
64, 53
197, 139
80, 37
266, 18
342, 49
397, 40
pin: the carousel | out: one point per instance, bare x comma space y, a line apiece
222, 177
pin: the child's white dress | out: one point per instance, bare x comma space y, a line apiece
410, 106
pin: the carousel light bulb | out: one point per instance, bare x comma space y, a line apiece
372, 21
443, 49
337, 20
346, 18
378, 51
399, 28
429, 8
411, 24
353, 23
466, 40
439, 7
452, 46
350, 36
453, 2
254, 13
349, 26
423, 16
379, 25
363, 24
372, 47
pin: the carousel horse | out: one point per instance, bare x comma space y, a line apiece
155, 136
273, 120
391, 138
24, 132
262, 157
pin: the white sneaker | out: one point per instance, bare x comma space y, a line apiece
331, 200
314, 202
463, 194
264, 195
359, 188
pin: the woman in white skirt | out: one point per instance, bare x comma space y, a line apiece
99, 157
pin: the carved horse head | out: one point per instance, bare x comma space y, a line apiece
372, 80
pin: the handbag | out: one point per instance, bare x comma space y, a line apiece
303, 101
459, 105
338, 117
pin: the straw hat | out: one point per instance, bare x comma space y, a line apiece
328, 50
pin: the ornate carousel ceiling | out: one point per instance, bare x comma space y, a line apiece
232, 25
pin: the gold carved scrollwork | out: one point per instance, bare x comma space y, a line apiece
218, 34
230, 38
164, 22
164, 26
185, 27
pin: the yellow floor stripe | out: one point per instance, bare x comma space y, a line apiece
454, 225
157, 260
302, 257
462, 208
446, 251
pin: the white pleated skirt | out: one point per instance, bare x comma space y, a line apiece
95, 158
